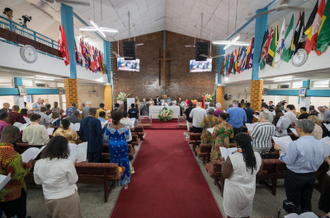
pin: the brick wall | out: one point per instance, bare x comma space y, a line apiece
179, 82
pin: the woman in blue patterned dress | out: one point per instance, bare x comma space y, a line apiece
118, 147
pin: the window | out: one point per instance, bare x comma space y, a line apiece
4, 82
285, 85
297, 85
28, 83
273, 86
321, 84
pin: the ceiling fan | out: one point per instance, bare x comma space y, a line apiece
282, 6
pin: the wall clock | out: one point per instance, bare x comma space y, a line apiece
227, 96
29, 54
299, 58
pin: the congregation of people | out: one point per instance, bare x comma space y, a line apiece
58, 176
303, 158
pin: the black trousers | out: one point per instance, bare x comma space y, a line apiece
16, 207
236, 131
94, 157
197, 129
299, 189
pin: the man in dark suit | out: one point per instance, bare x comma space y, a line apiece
157, 101
249, 113
74, 118
92, 132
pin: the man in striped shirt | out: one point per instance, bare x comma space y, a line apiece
262, 134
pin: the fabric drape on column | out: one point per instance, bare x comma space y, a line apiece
71, 92
108, 97
256, 95
220, 95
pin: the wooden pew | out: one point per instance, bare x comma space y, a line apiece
195, 140
95, 173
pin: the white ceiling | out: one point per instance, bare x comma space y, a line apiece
148, 16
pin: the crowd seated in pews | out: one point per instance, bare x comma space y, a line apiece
302, 160
53, 165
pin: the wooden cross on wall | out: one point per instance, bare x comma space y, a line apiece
163, 59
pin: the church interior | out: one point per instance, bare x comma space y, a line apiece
208, 108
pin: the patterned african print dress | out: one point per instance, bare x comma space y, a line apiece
208, 122
118, 149
222, 133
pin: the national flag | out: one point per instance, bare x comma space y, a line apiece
308, 32
227, 64
250, 58
247, 65
82, 48
316, 26
264, 40
92, 59
230, 63
241, 68
103, 66
63, 46
76, 52
237, 59
265, 49
234, 62
86, 57
287, 52
223, 63
280, 43
271, 51
324, 32
247, 55
204, 100
298, 32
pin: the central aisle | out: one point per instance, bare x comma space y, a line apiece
168, 181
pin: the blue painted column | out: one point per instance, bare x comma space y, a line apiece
256, 83
67, 22
107, 58
260, 29
18, 81
306, 84
220, 51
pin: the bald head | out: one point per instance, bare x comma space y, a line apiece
9, 134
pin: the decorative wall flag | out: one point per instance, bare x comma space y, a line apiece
265, 49
280, 43
316, 25
250, 57
222, 65
248, 50
324, 32
271, 51
76, 52
308, 32
241, 67
287, 52
298, 32
63, 46
227, 64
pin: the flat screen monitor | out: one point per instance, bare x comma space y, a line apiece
128, 65
201, 66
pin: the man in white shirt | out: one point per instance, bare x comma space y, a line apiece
35, 135
198, 115
127, 122
290, 114
264, 108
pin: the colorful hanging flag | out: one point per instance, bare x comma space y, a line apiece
230, 63
227, 64
248, 50
308, 32
316, 26
241, 67
223, 63
250, 58
265, 49
82, 48
271, 51
287, 52
280, 43
64, 46
324, 32
298, 32
76, 52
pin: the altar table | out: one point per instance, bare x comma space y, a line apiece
154, 110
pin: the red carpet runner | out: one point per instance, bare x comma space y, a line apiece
167, 183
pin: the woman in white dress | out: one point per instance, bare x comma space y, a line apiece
240, 170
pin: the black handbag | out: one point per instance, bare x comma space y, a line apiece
267, 155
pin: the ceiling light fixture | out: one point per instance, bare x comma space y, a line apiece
281, 80
96, 27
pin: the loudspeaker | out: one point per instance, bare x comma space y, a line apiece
201, 48
129, 50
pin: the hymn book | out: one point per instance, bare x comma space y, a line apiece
20, 125
78, 152
4, 180
225, 152
250, 126
31, 154
75, 126
50, 131
294, 131
326, 126
283, 142
326, 141
256, 116
210, 130
27, 120
53, 121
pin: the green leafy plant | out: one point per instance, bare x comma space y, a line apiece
165, 114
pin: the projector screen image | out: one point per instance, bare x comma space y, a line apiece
201, 66
128, 65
